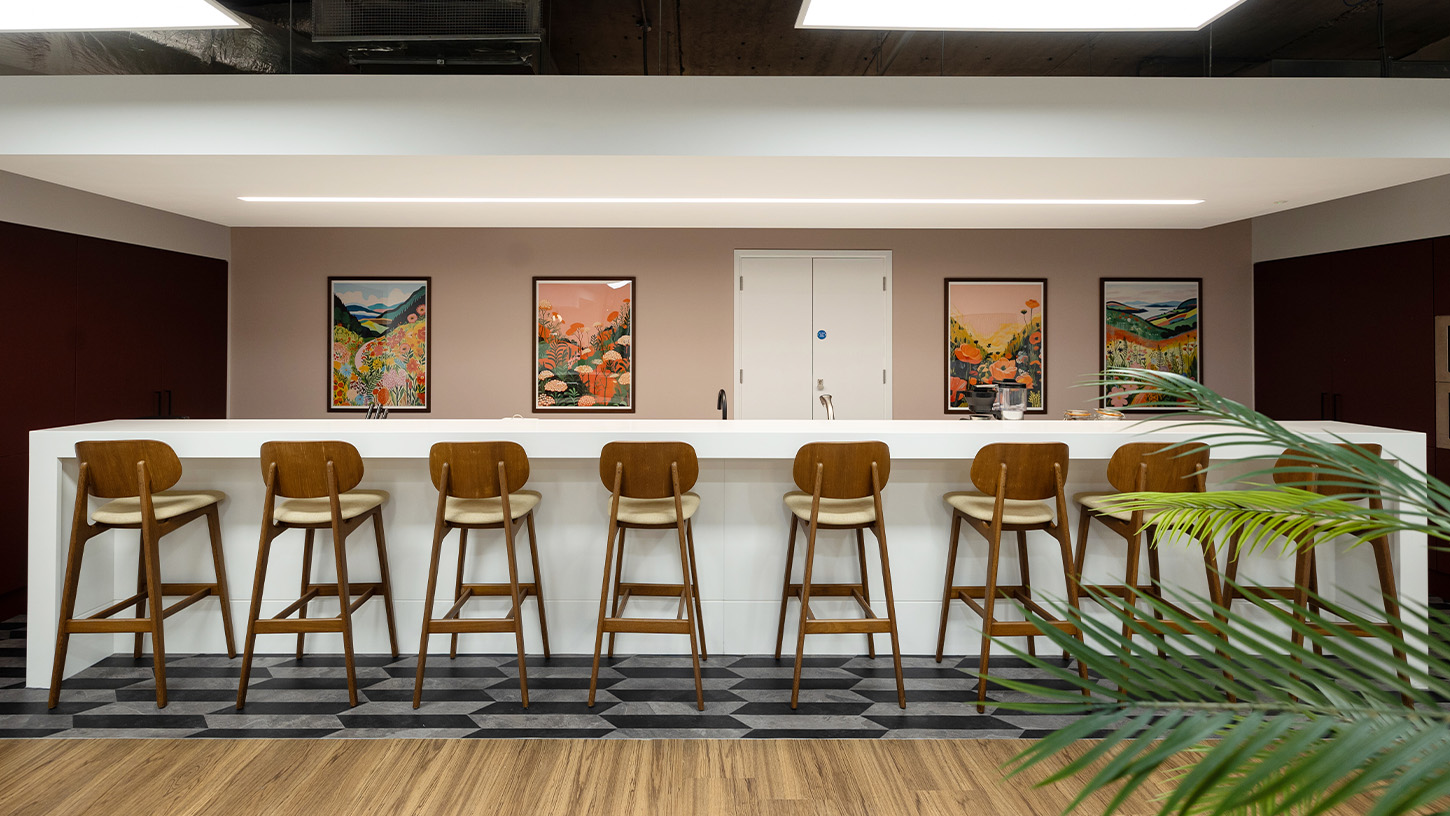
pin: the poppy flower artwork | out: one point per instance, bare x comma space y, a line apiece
378, 345
994, 333
1152, 324
584, 346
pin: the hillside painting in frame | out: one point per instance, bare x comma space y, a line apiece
378, 344
584, 345
994, 332
1151, 323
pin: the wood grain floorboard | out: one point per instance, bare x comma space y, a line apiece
530, 777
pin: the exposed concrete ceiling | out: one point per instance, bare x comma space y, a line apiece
758, 37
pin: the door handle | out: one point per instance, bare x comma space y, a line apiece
1336, 407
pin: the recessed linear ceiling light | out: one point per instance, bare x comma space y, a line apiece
1013, 15
114, 15
1170, 202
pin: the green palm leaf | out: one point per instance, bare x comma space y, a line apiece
1305, 733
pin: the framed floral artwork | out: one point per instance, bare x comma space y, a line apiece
1150, 323
378, 343
995, 333
584, 345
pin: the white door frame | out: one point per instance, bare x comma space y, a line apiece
882, 254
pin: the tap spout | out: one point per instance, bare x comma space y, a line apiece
830, 409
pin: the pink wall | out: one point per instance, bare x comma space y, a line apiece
482, 305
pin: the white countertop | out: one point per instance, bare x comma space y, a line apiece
553, 438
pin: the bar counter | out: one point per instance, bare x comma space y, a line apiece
740, 529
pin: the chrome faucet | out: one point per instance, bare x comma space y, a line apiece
722, 405
830, 409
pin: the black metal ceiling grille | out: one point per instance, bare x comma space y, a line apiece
371, 20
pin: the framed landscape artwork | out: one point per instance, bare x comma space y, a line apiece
378, 349
1150, 323
584, 349
994, 333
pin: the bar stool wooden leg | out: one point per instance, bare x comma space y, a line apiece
691, 606
603, 608
439, 531
865, 586
141, 596
1134, 548
880, 530
989, 600
264, 549
1303, 564
538, 583
1084, 526
386, 579
1073, 599
67, 608
800, 643
458, 586
1026, 574
946, 593
307, 540
1155, 576
785, 590
219, 564
695, 583
153, 589
344, 600
618, 574
518, 611
1385, 566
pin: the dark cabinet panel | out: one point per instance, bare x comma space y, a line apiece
1293, 374
99, 328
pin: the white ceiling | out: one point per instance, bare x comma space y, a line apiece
207, 187
1248, 147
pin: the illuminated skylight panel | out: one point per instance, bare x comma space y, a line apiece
113, 15
1013, 15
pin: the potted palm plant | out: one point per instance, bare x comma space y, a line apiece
1255, 722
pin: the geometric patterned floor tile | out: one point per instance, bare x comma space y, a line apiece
477, 697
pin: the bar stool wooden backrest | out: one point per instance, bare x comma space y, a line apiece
842, 470
125, 468
1308, 475
648, 470
1022, 471
468, 472
310, 470
136, 469
1159, 467
478, 470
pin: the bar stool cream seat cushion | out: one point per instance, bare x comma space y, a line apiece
167, 504
833, 511
319, 511
1014, 511
489, 511
1097, 502
656, 511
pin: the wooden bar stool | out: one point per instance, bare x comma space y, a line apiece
316, 481
136, 475
1157, 467
844, 480
1014, 481
649, 483
1306, 573
480, 488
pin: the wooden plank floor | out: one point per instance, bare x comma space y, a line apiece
533, 777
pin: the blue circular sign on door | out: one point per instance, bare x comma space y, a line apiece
821, 335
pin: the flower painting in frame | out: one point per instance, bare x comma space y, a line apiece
584, 345
1150, 323
994, 333
378, 344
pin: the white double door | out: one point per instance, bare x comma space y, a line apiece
809, 324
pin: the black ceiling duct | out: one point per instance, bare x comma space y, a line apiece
395, 20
